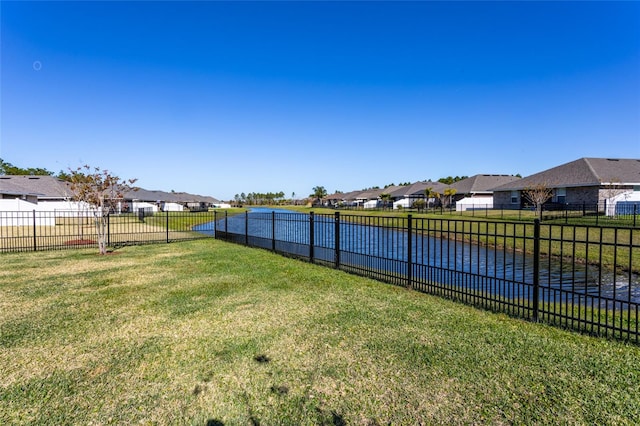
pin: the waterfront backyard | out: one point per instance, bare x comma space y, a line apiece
206, 332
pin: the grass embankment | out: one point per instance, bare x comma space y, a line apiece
205, 332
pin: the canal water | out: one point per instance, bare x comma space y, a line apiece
387, 248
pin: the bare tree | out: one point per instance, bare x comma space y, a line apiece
538, 195
610, 192
102, 191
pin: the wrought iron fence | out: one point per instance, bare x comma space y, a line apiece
581, 277
34, 230
622, 213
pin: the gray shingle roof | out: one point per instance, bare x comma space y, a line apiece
50, 187
582, 172
482, 183
41, 186
417, 189
169, 197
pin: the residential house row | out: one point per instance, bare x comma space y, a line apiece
609, 182
48, 193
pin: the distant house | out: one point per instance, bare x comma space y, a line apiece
587, 181
155, 201
40, 193
477, 191
48, 193
406, 196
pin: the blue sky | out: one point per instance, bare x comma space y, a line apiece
220, 98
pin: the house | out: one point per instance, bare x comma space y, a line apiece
406, 196
40, 193
340, 199
587, 181
154, 201
477, 191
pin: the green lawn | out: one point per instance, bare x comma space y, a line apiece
205, 332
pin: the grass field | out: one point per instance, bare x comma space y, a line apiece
204, 332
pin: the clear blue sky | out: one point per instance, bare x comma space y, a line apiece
220, 98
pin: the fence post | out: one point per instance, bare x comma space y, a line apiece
167, 224
336, 240
273, 230
311, 237
35, 241
109, 229
215, 224
246, 228
409, 252
634, 214
536, 269
226, 223
598, 213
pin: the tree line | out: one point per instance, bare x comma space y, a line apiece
7, 168
261, 198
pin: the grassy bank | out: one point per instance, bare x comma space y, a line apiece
206, 332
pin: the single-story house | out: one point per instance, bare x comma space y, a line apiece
476, 192
406, 196
586, 181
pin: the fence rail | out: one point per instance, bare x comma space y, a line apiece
33, 230
579, 277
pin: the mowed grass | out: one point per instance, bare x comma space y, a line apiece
209, 333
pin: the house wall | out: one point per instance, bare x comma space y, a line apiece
502, 199
587, 195
478, 202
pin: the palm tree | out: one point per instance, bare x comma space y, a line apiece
385, 199
449, 193
318, 193
428, 193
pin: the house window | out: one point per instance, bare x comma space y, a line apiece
561, 195
515, 199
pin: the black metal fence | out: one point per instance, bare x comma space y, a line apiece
623, 213
582, 277
34, 230
573, 276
